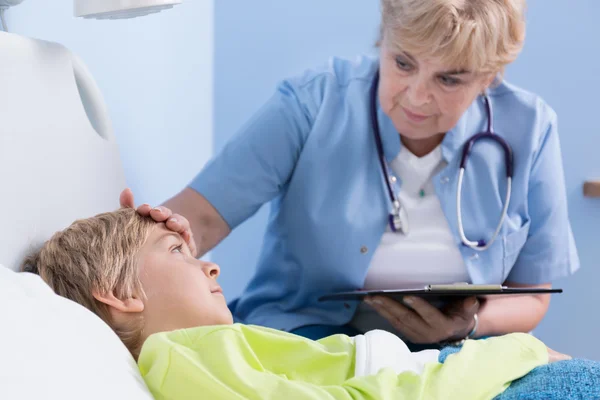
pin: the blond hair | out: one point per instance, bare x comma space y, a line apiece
97, 254
476, 35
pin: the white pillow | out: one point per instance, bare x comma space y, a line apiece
53, 348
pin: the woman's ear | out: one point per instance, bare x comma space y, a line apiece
130, 305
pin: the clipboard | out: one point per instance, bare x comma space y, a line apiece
439, 293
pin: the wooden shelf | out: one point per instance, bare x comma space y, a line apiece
591, 188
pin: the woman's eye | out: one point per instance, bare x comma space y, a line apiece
403, 65
449, 80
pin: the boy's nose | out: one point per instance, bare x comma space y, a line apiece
211, 270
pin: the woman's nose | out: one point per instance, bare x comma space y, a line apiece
211, 270
418, 93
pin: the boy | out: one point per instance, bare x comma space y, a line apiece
168, 309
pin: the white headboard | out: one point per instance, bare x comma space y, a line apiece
58, 157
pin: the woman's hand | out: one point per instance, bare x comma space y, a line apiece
174, 222
421, 322
554, 356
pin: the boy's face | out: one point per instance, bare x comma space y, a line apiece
181, 291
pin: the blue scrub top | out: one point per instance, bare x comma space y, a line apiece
310, 151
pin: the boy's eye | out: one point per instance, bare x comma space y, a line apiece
178, 249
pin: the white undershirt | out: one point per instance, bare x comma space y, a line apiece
428, 253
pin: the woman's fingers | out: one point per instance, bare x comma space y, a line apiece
430, 314
174, 222
144, 210
461, 318
160, 213
406, 331
554, 356
436, 326
126, 199
180, 224
407, 321
404, 327
421, 322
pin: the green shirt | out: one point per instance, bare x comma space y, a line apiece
250, 362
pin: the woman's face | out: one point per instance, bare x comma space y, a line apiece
423, 97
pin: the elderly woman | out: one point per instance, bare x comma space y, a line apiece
362, 163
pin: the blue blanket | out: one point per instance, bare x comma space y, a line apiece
573, 380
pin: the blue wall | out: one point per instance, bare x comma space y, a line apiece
155, 74
560, 62
260, 42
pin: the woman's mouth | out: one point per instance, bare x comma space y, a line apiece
414, 117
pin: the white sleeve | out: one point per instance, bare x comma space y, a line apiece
379, 349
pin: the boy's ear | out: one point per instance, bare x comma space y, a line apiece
132, 304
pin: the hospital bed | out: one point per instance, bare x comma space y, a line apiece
58, 162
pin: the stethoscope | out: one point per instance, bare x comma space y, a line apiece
397, 217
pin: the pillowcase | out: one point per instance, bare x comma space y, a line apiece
53, 348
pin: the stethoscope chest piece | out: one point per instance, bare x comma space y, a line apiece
398, 219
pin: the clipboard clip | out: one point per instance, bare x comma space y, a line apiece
463, 286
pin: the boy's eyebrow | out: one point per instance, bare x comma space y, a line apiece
166, 235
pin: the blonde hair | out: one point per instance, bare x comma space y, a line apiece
97, 254
477, 35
